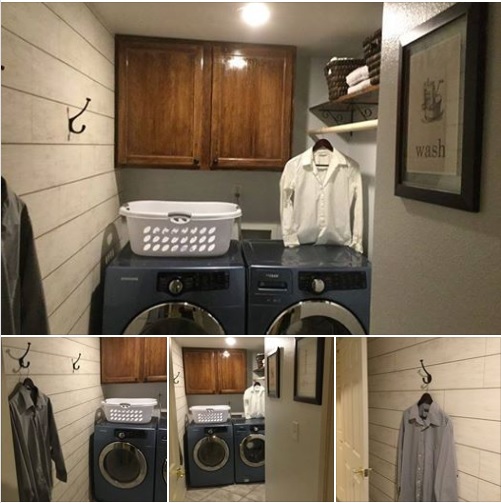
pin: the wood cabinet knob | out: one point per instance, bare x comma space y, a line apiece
196, 161
215, 160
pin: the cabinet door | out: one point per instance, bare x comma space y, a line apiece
232, 370
163, 94
121, 359
155, 359
251, 106
200, 368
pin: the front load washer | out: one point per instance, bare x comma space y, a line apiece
308, 290
161, 461
248, 435
175, 296
210, 454
124, 461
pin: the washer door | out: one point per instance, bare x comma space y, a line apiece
123, 465
252, 450
164, 471
174, 318
211, 453
316, 317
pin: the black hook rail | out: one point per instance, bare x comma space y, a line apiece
72, 119
21, 360
75, 363
428, 378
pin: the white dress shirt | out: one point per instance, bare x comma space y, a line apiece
254, 401
321, 206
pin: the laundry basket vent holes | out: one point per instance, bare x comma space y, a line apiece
186, 239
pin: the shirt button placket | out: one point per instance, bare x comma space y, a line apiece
420, 464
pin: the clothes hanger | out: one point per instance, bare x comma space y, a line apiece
28, 383
426, 398
323, 143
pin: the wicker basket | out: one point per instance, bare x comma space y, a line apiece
336, 71
372, 44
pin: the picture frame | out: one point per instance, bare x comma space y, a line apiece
309, 369
439, 116
273, 374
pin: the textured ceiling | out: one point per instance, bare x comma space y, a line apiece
254, 343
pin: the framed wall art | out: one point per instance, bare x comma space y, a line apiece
439, 121
309, 369
273, 374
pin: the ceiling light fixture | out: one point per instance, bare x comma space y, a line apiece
255, 14
231, 341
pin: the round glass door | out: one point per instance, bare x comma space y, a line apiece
211, 453
164, 471
123, 465
316, 317
174, 318
252, 450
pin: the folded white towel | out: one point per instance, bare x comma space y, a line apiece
359, 87
357, 75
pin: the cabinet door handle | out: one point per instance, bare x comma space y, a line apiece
215, 160
196, 162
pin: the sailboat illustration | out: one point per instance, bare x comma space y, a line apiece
432, 101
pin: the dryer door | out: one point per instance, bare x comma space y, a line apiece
316, 317
123, 465
174, 318
211, 453
252, 450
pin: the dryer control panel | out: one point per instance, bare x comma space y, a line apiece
319, 282
178, 283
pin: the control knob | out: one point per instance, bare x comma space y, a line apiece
318, 285
121, 435
175, 286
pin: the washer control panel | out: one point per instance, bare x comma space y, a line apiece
319, 282
178, 283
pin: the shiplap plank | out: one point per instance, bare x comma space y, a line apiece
63, 401
68, 416
461, 348
485, 435
69, 431
79, 440
83, 323
431, 351
83, 20
38, 25
93, 342
382, 364
488, 491
384, 345
382, 483
377, 495
400, 400
28, 119
480, 404
493, 345
34, 71
57, 246
54, 207
490, 467
63, 491
54, 345
385, 435
383, 451
387, 418
30, 168
468, 487
388, 470
54, 384
468, 460
492, 372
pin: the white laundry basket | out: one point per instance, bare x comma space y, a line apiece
129, 410
210, 413
180, 229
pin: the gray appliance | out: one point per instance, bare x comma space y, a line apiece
161, 461
210, 459
308, 290
124, 461
249, 439
175, 296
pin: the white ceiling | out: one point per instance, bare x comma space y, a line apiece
320, 28
252, 343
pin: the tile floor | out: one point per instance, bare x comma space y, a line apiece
235, 492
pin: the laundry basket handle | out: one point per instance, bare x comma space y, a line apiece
179, 218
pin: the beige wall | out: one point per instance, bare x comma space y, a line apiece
466, 385
181, 401
435, 269
56, 55
75, 396
294, 468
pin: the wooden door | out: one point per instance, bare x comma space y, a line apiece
232, 370
155, 359
121, 359
163, 102
352, 447
251, 106
200, 369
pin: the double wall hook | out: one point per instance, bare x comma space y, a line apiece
428, 378
21, 360
176, 379
75, 363
72, 119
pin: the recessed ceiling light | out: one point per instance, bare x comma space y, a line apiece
255, 14
231, 341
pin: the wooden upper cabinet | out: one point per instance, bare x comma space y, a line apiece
232, 371
163, 94
208, 105
133, 359
251, 106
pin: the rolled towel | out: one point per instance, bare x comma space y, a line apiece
357, 75
375, 58
360, 86
374, 73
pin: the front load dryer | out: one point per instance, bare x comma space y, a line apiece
248, 435
308, 290
175, 296
124, 461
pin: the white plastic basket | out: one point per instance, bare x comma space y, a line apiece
210, 414
180, 229
129, 410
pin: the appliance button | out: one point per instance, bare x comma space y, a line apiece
176, 286
121, 435
317, 285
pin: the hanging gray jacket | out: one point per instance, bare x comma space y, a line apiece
23, 302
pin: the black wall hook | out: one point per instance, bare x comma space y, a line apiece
176, 379
21, 360
71, 120
428, 378
75, 363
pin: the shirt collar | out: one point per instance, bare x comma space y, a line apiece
336, 158
434, 415
26, 399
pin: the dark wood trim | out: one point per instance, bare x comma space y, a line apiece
317, 400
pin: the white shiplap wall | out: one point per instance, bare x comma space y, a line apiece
467, 386
181, 401
56, 55
75, 396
